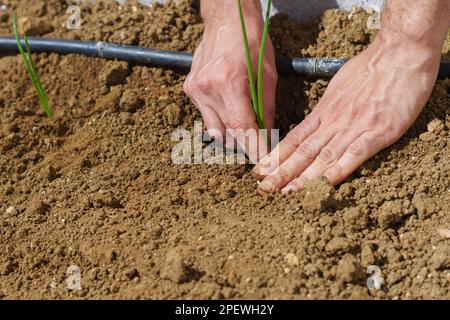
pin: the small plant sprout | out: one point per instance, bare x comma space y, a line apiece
31, 68
256, 92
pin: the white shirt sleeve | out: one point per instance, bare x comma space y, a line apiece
303, 10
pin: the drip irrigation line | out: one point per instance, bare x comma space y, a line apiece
180, 61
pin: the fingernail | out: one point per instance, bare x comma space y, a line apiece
288, 189
262, 192
268, 186
294, 186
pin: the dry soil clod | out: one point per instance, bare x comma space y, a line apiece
114, 73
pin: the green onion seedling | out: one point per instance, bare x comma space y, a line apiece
31, 68
256, 92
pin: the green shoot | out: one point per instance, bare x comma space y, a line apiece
31, 68
251, 79
256, 92
260, 63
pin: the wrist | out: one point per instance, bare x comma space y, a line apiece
401, 42
417, 25
399, 52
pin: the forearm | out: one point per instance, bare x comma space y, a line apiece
220, 11
419, 22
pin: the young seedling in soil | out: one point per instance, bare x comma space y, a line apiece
31, 68
256, 92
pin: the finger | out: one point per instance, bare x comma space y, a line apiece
327, 158
299, 160
286, 147
363, 148
216, 128
243, 127
214, 125
269, 114
212, 121
269, 85
269, 97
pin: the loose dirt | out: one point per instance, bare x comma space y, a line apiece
95, 186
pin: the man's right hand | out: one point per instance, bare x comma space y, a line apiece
218, 82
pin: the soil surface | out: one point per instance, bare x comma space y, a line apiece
95, 186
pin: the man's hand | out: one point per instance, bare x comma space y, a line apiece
368, 105
218, 82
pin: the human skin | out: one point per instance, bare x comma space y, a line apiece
218, 81
368, 105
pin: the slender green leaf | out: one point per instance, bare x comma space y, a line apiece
261, 63
38, 85
256, 91
251, 79
30, 67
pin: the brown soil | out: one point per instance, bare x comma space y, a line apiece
95, 185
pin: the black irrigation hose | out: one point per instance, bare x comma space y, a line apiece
171, 59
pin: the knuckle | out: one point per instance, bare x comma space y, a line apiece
204, 83
327, 156
308, 125
220, 78
307, 150
238, 125
386, 129
294, 137
334, 174
389, 134
282, 177
358, 147
338, 169
209, 81
222, 71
